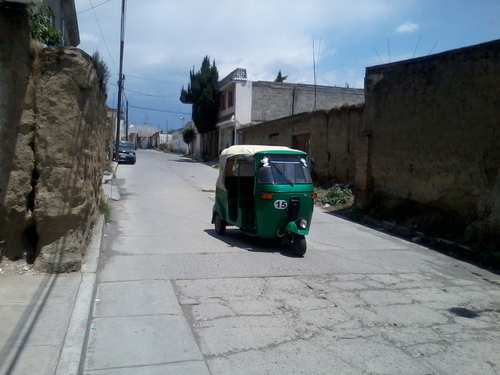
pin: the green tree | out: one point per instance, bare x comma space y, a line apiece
280, 78
203, 93
188, 135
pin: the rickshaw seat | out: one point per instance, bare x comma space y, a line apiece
243, 170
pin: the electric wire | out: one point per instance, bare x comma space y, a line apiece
98, 5
102, 35
159, 110
156, 80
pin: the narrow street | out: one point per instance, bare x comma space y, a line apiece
173, 297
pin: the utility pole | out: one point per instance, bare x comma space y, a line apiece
120, 79
126, 121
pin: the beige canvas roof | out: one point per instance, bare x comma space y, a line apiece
251, 149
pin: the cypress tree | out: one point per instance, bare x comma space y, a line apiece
203, 93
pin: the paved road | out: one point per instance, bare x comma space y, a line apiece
174, 298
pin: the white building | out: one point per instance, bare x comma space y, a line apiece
245, 103
178, 144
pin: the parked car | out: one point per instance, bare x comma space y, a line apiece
126, 152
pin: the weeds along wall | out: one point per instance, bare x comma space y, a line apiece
329, 137
435, 124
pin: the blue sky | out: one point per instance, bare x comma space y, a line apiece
164, 39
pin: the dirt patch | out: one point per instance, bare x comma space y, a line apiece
18, 267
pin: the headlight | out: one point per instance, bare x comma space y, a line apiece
303, 223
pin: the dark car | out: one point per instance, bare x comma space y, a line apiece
126, 152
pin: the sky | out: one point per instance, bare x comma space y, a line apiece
165, 39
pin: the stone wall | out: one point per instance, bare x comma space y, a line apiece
54, 142
72, 139
436, 131
332, 137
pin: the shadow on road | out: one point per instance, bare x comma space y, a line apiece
184, 160
236, 238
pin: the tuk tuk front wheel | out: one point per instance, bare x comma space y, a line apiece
220, 225
298, 244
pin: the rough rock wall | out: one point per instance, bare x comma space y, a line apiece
436, 130
71, 138
56, 139
16, 128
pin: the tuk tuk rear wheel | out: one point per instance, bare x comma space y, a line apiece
220, 225
298, 244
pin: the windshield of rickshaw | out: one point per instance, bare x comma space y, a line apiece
281, 169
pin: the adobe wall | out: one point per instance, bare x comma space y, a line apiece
332, 138
54, 147
436, 130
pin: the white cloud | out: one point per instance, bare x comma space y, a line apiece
164, 40
407, 27
88, 38
262, 36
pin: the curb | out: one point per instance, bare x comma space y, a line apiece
72, 357
72, 353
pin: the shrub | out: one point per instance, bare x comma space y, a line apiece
188, 135
105, 209
336, 195
102, 71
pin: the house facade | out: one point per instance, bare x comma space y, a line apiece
245, 103
64, 19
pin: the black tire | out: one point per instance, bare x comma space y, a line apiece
220, 225
298, 244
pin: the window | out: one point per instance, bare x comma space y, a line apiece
223, 101
230, 98
284, 170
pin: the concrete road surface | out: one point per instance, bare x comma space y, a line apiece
175, 298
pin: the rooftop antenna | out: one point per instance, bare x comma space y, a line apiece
388, 49
432, 49
315, 68
378, 55
418, 42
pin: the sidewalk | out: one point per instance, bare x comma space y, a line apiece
44, 318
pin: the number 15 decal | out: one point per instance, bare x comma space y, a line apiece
280, 204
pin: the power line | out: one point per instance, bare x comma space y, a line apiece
155, 80
137, 93
92, 8
159, 110
102, 35
151, 95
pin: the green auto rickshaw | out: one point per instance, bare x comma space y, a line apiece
266, 191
